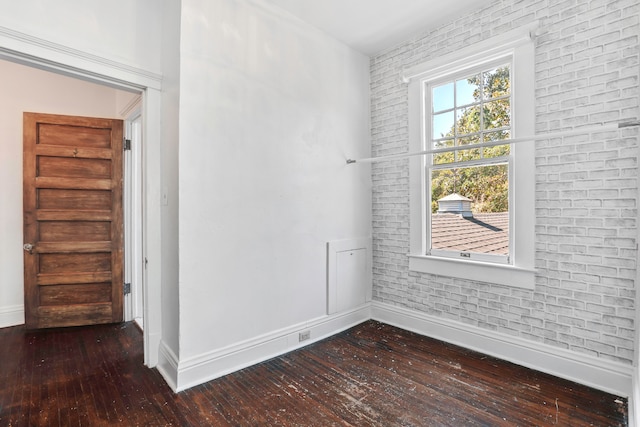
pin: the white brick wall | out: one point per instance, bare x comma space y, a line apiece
587, 73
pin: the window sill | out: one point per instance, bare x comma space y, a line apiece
507, 275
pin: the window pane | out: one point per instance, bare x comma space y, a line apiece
442, 97
443, 183
443, 143
468, 120
442, 158
466, 155
473, 139
497, 114
497, 136
467, 91
496, 82
443, 125
475, 218
497, 151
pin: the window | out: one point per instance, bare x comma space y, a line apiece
469, 186
472, 198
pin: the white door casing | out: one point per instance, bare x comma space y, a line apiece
133, 196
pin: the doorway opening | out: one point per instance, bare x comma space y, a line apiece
145, 126
51, 94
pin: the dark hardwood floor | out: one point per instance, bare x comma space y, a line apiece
371, 375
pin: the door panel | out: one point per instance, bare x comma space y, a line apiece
74, 263
75, 294
69, 200
62, 167
74, 231
73, 220
60, 134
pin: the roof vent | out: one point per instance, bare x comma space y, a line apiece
457, 204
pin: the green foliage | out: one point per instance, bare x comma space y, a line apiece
487, 186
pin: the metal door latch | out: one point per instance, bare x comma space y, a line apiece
28, 247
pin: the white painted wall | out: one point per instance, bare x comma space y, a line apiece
125, 31
270, 108
29, 89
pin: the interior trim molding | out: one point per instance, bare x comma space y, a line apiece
168, 365
134, 107
11, 315
611, 377
208, 366
40, 53
485, 49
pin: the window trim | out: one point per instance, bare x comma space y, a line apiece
517, 45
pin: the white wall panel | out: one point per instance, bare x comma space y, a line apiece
120, 30
269, 110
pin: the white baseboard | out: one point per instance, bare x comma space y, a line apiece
183, 374
604, 375
11, 316
168, 365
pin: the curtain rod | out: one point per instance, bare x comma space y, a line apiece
550, 135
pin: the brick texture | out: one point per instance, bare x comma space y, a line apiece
587, 73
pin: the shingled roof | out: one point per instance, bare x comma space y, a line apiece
482, 233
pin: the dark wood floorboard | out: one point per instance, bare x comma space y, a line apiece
370, 375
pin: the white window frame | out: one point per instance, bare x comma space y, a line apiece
426, 144
517, 47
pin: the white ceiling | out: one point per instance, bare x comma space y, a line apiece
372, 26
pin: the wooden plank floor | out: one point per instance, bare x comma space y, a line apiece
371, 375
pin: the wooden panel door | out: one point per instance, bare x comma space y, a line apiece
73, 220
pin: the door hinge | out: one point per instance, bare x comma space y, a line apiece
126, 144
127, 288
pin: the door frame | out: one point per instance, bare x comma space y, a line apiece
48, 56
133, 194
